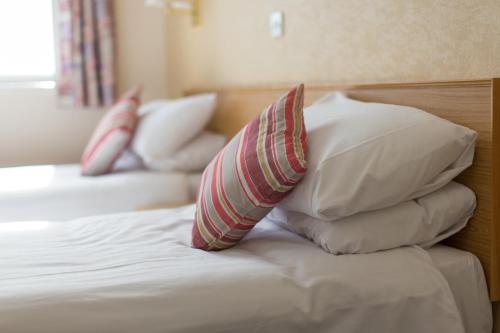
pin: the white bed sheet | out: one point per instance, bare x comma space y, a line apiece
59, 192
136, 272
466, 279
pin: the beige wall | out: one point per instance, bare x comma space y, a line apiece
335, 41
325, 41
141, 46
35, 129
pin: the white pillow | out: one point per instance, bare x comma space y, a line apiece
194, 156
164, 130
366, 156
151, 106
128, 161
423, 222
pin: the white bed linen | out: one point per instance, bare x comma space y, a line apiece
137, 273
48, 192
466, 279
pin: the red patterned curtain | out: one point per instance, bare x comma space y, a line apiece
86, 52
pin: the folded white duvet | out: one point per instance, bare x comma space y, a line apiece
137, 273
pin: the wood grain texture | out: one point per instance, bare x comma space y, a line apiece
495, 214
475, 104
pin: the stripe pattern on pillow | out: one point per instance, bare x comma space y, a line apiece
111, 137
252, 174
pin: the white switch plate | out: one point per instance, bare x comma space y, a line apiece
276, 24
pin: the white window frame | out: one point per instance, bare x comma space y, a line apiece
38, 81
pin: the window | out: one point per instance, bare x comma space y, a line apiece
27, 51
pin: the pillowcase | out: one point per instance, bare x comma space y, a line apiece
424, 221
367, 156
128, 161
151, 106
249, 176
162, 131
112, 135
194, 156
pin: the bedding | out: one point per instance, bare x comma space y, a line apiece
165, 127
60, 192
192, 157
367, 156
128, 161
136, 272
151, 106
253, 172
423, 221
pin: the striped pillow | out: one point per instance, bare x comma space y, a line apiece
112, 135
252, 174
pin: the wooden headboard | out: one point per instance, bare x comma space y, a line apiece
475, 104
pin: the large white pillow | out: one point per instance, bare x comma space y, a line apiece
163, 130
151, 106
423, 222
128, 161
192, 157
367, 156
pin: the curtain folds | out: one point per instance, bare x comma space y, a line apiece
86, 52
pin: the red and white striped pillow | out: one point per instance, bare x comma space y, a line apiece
112, 135
252, 174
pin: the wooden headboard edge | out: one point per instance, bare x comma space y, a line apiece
344, 86
495, 151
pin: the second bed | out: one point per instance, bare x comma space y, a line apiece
59, 192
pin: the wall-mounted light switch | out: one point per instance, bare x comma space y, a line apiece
276, 24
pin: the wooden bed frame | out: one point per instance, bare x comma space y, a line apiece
475, 104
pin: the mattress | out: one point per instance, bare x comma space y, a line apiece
59, 192
136, 272
465, 277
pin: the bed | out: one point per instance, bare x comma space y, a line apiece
474, 104
137, 272
59, 192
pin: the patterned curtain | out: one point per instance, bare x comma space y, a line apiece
86, 52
